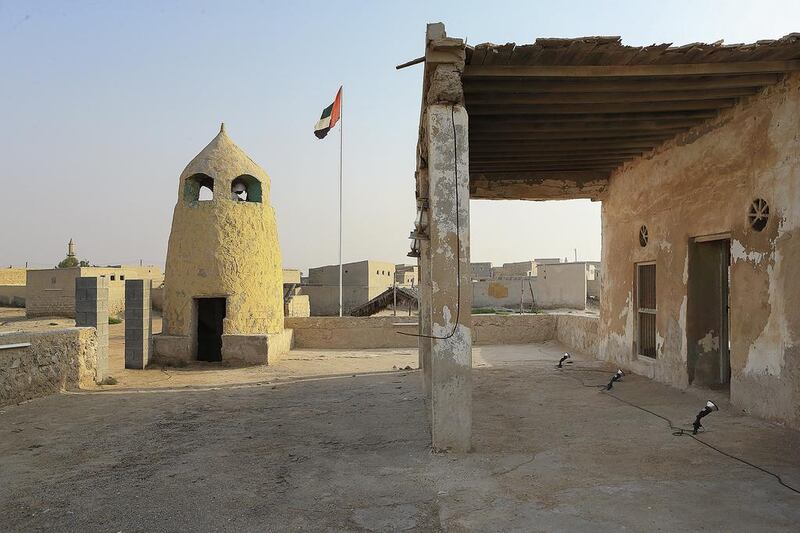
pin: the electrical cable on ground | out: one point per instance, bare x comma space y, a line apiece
458, 243
680, 432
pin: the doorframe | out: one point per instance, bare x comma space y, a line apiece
194, 343
724, 303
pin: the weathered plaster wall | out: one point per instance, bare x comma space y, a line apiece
381, 332
578, 332
561, 285
224, 248
512, 329
702, 183
297, 305
352, 332
56, 360
503, 293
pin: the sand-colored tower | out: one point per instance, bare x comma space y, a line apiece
223, 284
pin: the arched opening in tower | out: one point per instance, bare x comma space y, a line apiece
246, 188
198, 188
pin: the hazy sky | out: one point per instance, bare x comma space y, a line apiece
102, 104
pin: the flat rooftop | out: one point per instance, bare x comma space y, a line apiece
338, 440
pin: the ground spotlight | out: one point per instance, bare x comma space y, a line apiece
615, 377
564, 358
708, 409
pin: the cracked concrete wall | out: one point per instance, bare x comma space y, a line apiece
224, 248
702, 183
451, 297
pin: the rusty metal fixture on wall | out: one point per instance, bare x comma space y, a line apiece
420, 231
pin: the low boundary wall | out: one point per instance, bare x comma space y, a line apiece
575, 331
12, 295
43, 363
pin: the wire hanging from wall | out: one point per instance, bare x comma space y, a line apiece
458, 241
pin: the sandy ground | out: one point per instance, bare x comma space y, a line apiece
338, 441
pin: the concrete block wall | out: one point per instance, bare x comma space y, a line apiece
91, 310
138, 323
51, 292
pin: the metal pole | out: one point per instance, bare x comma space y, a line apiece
341, 144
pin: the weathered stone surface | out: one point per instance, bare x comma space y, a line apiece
256, 349
578, 332
172, 349
445, 87
451, 297
224, 248
56, 360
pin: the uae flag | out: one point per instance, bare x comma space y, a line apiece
330, 116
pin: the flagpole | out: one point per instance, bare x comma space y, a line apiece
341, 143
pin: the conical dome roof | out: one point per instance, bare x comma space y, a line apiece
222, 159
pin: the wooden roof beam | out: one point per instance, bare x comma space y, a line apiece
612, 107
572, 127
590, 85
605, 71
594, 117
572, 133
542, 174
607, 97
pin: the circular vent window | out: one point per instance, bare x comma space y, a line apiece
758, 214
643, 236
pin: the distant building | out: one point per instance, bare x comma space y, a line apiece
51, 291
541, 284
361, 280
406, 275
481, 270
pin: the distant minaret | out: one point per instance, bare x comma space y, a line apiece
71, 248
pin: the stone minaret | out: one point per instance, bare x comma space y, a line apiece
223, 283
71, 248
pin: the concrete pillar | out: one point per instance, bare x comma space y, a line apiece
91, 310
451, 295
138, 324
425, 316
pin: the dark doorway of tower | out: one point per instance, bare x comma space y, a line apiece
708, 310
210, 314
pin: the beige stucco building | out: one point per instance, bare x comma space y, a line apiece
224, 285
51, 291
695, 155
361, 281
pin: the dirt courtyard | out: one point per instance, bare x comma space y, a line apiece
302, 446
